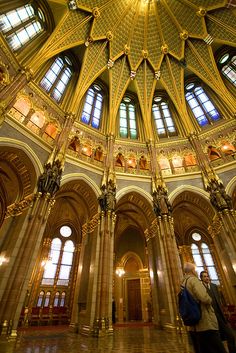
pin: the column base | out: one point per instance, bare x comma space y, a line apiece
102, 327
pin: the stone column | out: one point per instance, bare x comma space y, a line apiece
103, 308
164, 260
15, 275
165, 271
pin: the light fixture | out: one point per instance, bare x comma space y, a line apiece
46, 262
3, 258
120, 271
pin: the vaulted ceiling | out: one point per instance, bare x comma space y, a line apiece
141, 45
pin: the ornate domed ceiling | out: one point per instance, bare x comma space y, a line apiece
142, 46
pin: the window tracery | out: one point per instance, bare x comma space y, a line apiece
58, 268
203, 258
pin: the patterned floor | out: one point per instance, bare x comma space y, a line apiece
124, 340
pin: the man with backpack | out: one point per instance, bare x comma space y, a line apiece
226, 332
205, 333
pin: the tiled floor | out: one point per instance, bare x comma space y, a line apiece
124, 340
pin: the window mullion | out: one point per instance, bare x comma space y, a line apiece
20, 26
56, 80
59, 265
205, 111
128, 120
93, 108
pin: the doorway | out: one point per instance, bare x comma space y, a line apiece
134, 304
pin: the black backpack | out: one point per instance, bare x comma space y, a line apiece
189, 308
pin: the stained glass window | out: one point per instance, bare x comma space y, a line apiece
92, 110
203, 109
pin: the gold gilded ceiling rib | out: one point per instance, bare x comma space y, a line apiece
222, 24
91, 58
178, 97
46, 51
132, 35
119, 82
145, 95
172, 16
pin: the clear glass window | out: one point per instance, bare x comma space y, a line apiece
228, 67
92, 111
203, 258
164, 123
57, 78
60, 259
128, 124
21, 25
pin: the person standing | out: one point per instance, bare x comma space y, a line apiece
205, 334
226, 332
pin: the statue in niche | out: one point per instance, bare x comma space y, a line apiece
213, 153
120, 160
218, 196
143, 162
74, 144
98, 154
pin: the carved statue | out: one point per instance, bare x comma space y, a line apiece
161, 202
218, 197
49, 180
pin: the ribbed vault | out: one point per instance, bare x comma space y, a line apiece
154, 43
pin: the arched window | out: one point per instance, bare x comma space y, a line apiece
66, 263
203, 258
19, 26
128, 125
200, 104
63, 297
47, 299
40, 298
56, 299
92, 110
162, 117
227, 64
57, 78
58, 267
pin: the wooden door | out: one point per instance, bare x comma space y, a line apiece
134, 299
